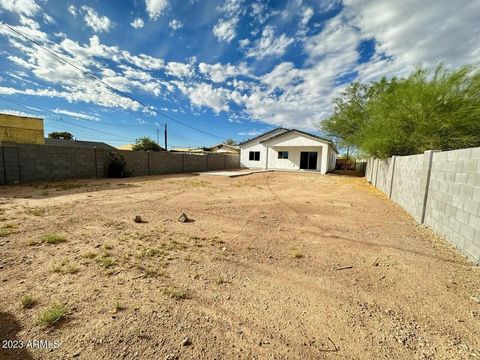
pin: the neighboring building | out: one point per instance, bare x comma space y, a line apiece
219, 149
224, 149
78, 143
21, 129
189, 150
125, 147
285, 149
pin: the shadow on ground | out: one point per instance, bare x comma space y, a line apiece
9, 328
45, 190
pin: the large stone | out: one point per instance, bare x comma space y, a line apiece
183, 218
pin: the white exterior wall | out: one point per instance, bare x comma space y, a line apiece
293, 161
244, 155
294, 143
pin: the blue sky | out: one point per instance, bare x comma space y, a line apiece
232, 68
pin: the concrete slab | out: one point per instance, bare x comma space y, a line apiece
232, 173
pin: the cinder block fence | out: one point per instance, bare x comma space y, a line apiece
439, 189
20, 163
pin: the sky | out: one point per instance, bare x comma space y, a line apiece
231, 69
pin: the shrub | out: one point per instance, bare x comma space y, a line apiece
116, 166
27, 301
52, 315
146, 144
53, 239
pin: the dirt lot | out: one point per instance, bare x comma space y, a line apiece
274, 266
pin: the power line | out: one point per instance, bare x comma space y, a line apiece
60, 119
76, 117
115, 90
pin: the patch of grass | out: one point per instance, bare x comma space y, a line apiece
89, 255
106, 261
176, 293
174, 245
7, 229
148, 252
53, 239
220, 280
151, 272
37, 211
107, 247
27, 301
115, 224
64, 186
117, 306
52, 315
65, 267
33, 242
196, 183
297, 254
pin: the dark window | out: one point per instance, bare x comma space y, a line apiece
283, 154
254, 156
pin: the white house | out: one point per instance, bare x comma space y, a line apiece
285, 149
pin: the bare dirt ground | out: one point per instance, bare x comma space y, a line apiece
274, 266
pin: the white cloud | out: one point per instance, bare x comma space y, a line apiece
179, 69
48, 19
269, 45
259, 12
253, 132
284, 94
18, 113
219, 73
137, 23
206, 95
306, 16
426, 31
175, 24
244, 43
8, 90
155, 8
72, 10
75, 114
97, 22
283, 76
22, 7
225, 30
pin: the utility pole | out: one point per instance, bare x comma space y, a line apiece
166, 148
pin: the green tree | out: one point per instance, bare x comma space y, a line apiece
230, 142
146, 144
64, 135
429, 109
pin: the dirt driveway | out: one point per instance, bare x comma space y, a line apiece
274, 266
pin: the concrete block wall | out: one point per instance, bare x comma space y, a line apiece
165, 163
439, 189
2, 168
384, 169
194, 163
40, 162
216, 162
453, 202
406, 185
137, 162
26, 162
232, 161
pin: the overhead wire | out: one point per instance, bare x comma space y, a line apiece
115, 90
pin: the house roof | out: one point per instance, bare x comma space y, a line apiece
78, 143
289, 131
261, 135
233, 147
